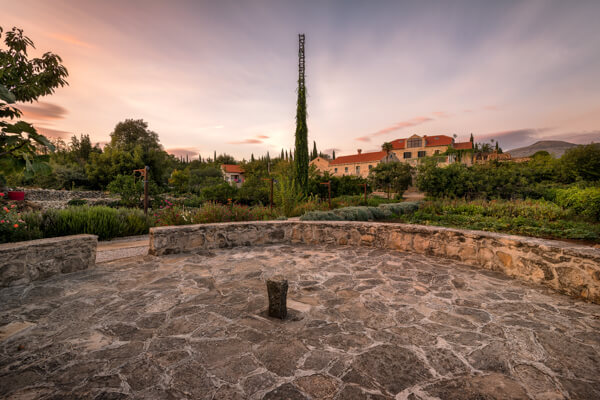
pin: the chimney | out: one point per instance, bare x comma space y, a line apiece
359, 151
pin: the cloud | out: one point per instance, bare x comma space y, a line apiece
403, 124
581, 137
363, 139
192, 152
246, 141
42, 111
70, 40
514, 138
262, 136
491, 108
441, 114
53, 133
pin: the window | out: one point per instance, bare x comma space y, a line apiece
437, 152
335, 170
346, 169
422, 154
407, 154
370, 167
358, 169
414, 142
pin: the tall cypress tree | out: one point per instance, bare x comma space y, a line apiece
315, 153
301, 152
333, 154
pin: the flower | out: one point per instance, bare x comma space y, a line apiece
12, 206
1, 194
15, 225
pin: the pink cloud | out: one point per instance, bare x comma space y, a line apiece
262, 136
42, 111
192, 152
403, 124
70, 39
441, 114
363, 139
246, 141
53, 133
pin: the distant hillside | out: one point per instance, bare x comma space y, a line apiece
554, 147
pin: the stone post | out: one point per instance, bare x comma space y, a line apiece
277, 288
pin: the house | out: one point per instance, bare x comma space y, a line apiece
233, 174
415, 147
359, 164
408, 150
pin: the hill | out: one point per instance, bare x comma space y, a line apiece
554, 147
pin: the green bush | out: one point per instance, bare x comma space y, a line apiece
362, 213
105, 222
76, 202
584, 202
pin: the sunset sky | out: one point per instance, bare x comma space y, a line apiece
221, 75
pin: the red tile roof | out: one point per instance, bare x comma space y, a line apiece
463, 145
438, 140
398, 144
232, 169
358, 158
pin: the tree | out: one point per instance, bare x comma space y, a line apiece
301, 151
387, 147
24, 80
582, 162
315, 153
333, 154
396, 176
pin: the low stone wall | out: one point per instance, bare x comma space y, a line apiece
24, 262
566, 268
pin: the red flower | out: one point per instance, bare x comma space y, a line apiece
16, 225
1, 194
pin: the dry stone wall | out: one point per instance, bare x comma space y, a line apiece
24, 262
567, 268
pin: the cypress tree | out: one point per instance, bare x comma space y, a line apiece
301, 153
215, 157
252, 157
333, 154
282, 154
315, 153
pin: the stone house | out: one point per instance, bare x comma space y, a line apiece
407, 150
233, 174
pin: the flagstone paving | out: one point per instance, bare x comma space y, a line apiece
363, 323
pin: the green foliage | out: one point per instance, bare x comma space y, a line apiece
211, 212
395, 176
301, 149
77, 202
287, 195
128, 188
581, 163
584, 202
105, 222
537, 218
383, 212
221, 193
24, 80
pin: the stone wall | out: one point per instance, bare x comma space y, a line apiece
24, 262
566, 268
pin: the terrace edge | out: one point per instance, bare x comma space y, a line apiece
566, 268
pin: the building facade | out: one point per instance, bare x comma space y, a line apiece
233, 174
408, 150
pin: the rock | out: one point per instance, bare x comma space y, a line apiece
489, 387
286, 391
277, 289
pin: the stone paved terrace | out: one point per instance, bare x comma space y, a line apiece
365, 323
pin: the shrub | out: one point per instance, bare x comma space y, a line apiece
76, 202
584, 202
384, 211
103, 221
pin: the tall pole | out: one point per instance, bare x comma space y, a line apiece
271, 197
146, 169
328, 183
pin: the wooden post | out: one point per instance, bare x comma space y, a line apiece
328, 183
271, 199
146, 169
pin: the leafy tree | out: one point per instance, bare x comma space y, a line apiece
396, 176
581, 162
180, 180
24, 80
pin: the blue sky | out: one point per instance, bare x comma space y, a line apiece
222, 75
